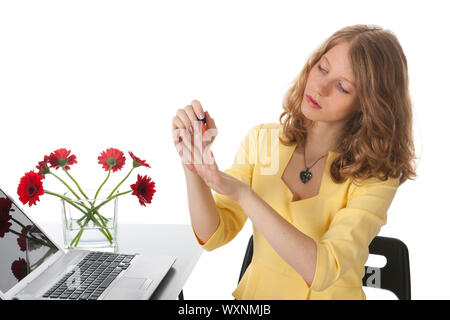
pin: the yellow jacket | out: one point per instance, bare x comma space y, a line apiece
342, 219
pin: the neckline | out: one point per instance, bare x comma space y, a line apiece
287, 159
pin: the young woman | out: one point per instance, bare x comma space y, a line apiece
346, 146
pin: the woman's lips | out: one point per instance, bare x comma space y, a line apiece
312, 103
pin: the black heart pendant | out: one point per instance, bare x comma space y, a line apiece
305, 176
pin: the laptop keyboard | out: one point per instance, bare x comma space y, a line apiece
91, 277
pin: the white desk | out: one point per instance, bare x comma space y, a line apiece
171, 239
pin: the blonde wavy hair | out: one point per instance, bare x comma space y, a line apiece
378, 140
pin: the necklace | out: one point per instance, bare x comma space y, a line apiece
306, 175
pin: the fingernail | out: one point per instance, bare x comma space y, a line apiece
201, 116
191, 130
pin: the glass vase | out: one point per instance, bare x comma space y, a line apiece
90, 223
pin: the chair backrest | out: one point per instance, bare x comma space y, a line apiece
394, 276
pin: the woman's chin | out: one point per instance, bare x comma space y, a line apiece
309, 113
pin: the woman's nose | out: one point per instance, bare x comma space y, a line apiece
322, 87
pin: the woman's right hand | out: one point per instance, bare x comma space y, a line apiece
184, 127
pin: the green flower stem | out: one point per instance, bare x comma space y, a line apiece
96, 210
109, 199
103, 228
65, 185
76, 195
102, 218
87, 214
20, 224
30, 239
79, 188
108, 234
81, 219
49, 251
76, 183
105, 224
74, 240
78, 236
120, 183
109, 173
66, 199
24, 227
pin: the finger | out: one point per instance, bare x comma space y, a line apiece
177, 127
201, 145
176, 123
210, 121
191, 115
197, 150
178, 144
209, 136
210, 160
186, 141
198, 109
181, 113
181, 136
186, 146
211, 131
179, 149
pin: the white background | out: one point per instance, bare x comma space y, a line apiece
89, 75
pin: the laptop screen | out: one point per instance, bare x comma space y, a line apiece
23, 247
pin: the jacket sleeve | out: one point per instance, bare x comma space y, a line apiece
346, 242
232, 217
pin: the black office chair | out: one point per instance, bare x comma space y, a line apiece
394, 276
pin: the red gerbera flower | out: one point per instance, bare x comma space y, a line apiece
30, 188
43, 167
112, 158
138, 162
61, 158
4, 223
19, 268
5, 207
144, 189
22, 241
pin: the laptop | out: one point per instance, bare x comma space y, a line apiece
33, 266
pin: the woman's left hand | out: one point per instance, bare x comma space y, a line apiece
221, 182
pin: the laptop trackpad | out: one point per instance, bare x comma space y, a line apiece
133, 283
129, 288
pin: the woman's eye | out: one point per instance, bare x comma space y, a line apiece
339, 85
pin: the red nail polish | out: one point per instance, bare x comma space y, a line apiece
203, 121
